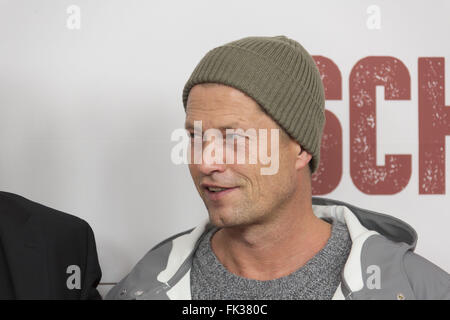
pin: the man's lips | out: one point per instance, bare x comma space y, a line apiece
216, 195
213, 185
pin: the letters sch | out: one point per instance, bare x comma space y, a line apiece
433, 120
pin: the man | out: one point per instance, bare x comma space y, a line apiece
45, 253
266, 236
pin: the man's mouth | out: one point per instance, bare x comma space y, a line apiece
216, 193
216, 189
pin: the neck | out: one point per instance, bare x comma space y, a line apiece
274, 248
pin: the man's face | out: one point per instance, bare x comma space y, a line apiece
250, 197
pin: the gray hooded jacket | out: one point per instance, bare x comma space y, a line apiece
381, 263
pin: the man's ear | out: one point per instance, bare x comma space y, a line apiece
303, 159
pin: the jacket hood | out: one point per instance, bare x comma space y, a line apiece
388, 226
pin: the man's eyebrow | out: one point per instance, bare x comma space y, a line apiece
233, 125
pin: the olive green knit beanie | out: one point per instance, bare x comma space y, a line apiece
280, 75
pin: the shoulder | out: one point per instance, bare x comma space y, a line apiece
427, 280
144, 275
14, 205
17, 211
395, 268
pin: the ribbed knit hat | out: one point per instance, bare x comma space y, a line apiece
280, 75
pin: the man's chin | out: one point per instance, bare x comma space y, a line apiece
228, 220
223, 219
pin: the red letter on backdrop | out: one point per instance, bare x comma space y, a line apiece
365, 75
329, 171
434, 125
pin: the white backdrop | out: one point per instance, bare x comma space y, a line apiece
86, 114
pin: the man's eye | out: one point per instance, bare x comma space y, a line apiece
233, 135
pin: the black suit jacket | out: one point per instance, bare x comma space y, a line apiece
38, 246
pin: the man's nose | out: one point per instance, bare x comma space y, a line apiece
213, 157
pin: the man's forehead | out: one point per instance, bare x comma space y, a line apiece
215, 111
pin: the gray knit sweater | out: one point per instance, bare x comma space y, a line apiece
317, 279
